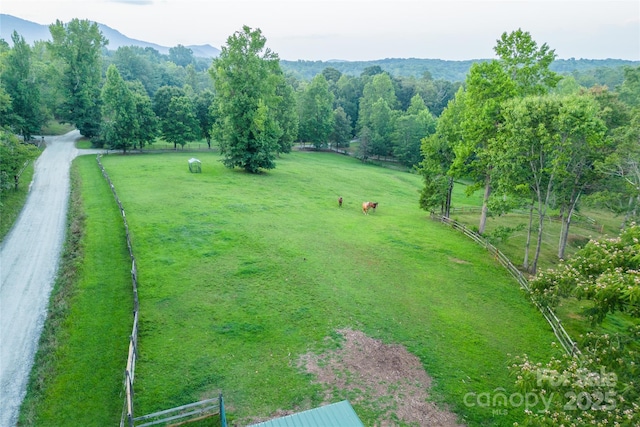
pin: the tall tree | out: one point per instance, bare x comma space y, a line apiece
526, 64
246, 76
119, 121
528, 159
378, 87
488, 86
583, 132
342, 132
204, 113
438, 157
316, 112
162, 98
181, 55
79, 45
21, 84
181, 124
15, 156
409, 130
148, 124
287, 116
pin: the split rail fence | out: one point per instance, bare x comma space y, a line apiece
201, 410
556, 325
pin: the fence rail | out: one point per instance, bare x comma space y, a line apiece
196, 411
556, 325
581, 221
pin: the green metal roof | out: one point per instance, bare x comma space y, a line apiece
339, 414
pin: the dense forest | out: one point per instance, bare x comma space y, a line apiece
588, 72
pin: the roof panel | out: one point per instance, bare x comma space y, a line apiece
340, 414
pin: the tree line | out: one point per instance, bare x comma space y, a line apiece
532, 140
246, 103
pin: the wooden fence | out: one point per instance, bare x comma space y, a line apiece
565, 340
127, 418
581, 221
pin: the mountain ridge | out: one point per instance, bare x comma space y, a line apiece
32, 31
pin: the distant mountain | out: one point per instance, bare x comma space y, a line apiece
32, 31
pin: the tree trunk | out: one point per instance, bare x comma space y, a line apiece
527, 245
447, 209
485, 205
534, 266
566, 223
542, 211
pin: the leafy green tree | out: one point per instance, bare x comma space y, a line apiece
620, 190
348, 94
382, 122
629, 90
136, 63
246, 76
488, 86
162, 98
148, 124
181, 55
342, 132
287, 116
526, 64
364, 144
529, 159
583, 132
379, 87
181, 124
78, 45
316, 112
15, 156
438, 157
410, 128
204, 112
119, 116
21, 85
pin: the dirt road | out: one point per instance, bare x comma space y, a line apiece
28, 262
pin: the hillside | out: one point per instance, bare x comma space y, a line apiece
439, 69
32, 31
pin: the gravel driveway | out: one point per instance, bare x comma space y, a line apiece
28, 263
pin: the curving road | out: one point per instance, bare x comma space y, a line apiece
28, 263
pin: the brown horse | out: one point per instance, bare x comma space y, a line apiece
369, 205
340, 201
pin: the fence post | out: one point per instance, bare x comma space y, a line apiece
223, 415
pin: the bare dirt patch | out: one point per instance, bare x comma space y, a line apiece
385, 379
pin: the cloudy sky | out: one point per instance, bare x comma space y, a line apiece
363, 29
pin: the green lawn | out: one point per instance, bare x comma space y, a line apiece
240, 275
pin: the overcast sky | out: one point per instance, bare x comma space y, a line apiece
363, 29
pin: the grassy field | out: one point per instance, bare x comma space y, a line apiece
241, 275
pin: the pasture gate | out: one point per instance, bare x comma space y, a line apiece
186, 413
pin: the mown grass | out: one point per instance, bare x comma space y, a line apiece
570, 311
78, 371
242, 274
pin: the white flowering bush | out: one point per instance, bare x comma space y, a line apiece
601, 385
607, 272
